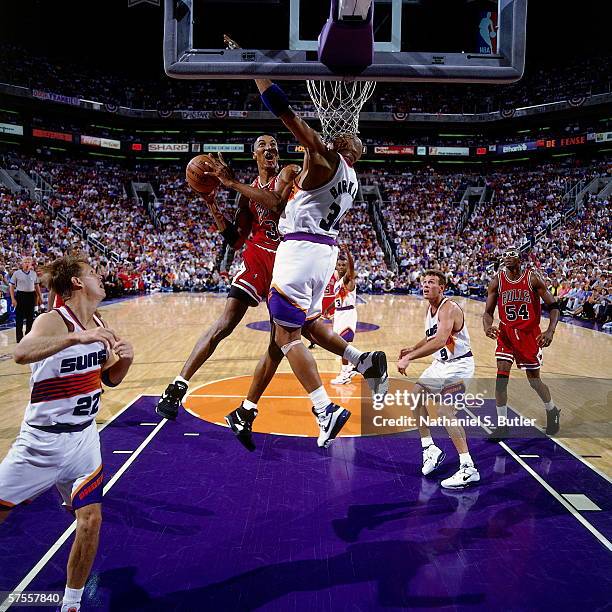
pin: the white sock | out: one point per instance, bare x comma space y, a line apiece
352, 354
502, 411
427, 441
549, 405
249, 405
181, 379
72, 596
319, 398
465, 458
66, 607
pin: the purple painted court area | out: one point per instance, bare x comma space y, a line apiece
198, 523
361, 326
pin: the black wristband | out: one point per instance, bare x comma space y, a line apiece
554, 306
106, 379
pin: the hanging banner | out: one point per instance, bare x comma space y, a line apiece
223, 148
464, 151
394, 150
168, 147
52, 135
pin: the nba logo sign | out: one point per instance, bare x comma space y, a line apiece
487, 32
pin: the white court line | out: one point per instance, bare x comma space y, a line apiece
529, 456
187, 433
560, 498
571, 452
149, 424
552, 491
122, 452
60, 541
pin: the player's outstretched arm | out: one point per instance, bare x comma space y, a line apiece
488, 316
349, 276
48, 336
545, 338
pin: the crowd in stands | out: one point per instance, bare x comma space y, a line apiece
176, 247
541, 83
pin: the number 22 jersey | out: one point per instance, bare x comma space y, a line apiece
66, 387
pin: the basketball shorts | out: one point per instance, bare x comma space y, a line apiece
302, 270
40, 459
443, 374
345, 323
255, 274
520, 345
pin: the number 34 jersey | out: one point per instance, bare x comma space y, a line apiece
65, 388
518, 305
319, 211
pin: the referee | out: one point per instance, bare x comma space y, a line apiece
25, 296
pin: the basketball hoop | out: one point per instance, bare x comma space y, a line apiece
338, 105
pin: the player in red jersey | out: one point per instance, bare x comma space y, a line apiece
516, 292
255, 227
328, 305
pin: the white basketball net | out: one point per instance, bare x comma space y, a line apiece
338, 104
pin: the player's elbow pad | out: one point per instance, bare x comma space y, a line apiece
275, 100
230, 234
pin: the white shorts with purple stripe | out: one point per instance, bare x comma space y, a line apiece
302, 269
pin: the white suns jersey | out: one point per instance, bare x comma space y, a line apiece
319, 211
65, 388
457, 344
344, 298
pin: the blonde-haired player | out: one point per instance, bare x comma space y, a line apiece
71, 353
448, 341
345, 313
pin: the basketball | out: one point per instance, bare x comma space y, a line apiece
198, 181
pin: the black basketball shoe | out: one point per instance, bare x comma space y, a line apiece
553, 421
170, 401
499, 434
241, 423
373, 367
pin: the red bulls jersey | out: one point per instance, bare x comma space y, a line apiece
518, 304
328, 306
259, 225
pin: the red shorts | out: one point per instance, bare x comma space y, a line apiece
520, 345
255, 274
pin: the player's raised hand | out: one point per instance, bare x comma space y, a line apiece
230, 43
492, 332
99, 334
545, 339
220, 169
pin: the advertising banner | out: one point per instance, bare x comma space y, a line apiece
394, 150
53, 135
168, 147
223, 148
465, 151
9, 128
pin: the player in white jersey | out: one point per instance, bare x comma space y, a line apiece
345, 310
448, 341
71, 353
322, 194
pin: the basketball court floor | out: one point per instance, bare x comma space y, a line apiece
192, 521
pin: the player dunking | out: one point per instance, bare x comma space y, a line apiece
256, 227
448, 340
516, 292
345, 309
70, 353
323, 193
